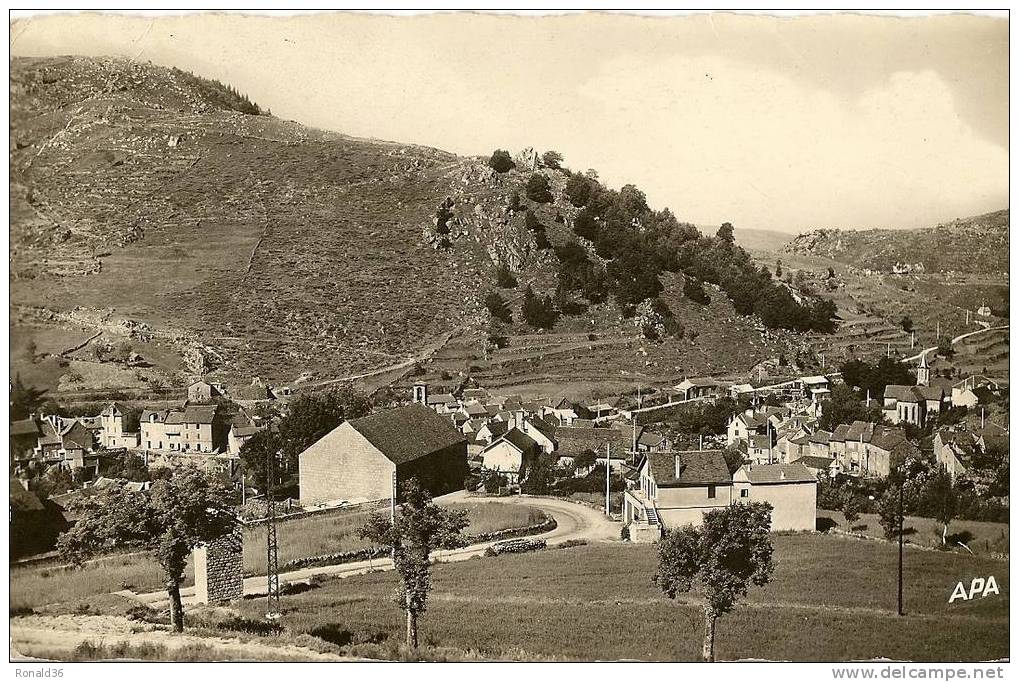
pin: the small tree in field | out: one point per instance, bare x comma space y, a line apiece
888, 513
942, 499
421, 527
721, 559
850, 508
171, 519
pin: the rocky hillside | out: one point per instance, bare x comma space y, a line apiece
230, 242
976, 245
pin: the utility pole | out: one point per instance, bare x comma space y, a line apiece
912, 340
608, 460
901, 486
272, 569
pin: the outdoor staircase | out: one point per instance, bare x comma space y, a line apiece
652, 516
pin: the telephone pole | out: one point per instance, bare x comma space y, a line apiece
608, 459
272, 568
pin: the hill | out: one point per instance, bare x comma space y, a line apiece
976, 245
164, 227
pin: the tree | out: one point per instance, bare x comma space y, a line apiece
850, 508
538, 189
906, 323
578, 190
538, 311
942, 499
501, 161
130, 466
888, 512
420, 528
844, 407
725, 233
25, 400
504, 278
497, 307
552, 159
945, 349
583, 461
255, 454
721, 559
778, 268
170, 520
310, 417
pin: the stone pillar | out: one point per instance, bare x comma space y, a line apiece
219, 569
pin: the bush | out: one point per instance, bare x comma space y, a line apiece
504, 278
501, 161
694, 290
538, 189
497, 307
539, 311
578, 190
552, 159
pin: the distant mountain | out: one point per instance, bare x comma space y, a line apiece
977, 245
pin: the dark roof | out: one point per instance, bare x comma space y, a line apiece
575, 440
779, 473
22, 500
906, 394
650, 438
814, 462
839, 434
543, 427
406, 433
440, 399
820, 436
497, 428
886, 438
25, 427
199, 414
696, 467
518, 439
242, 431
77, 435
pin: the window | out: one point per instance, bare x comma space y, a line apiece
745, 492
711, 492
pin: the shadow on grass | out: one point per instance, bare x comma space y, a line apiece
334, 633
825, 524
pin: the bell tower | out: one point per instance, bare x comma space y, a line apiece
923, 371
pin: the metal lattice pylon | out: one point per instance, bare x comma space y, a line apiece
272, 568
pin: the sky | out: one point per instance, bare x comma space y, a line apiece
777, 123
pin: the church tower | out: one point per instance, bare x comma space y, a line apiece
923, 371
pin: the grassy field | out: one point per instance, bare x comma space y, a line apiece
310, 536
982, 537
598, 602
333, 533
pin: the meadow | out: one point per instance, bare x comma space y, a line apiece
980, 537
832, 598
328, 533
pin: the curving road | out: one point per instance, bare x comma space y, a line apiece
573, 522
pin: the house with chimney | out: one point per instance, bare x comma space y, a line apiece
112, 433
674, 489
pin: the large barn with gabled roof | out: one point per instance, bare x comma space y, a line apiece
355, 462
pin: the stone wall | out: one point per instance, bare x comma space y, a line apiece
219, 569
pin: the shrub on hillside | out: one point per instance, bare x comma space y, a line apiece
539, 311
497, 307
552, 159
501, 161
504, 278
694, 290
578, 190
538, 189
